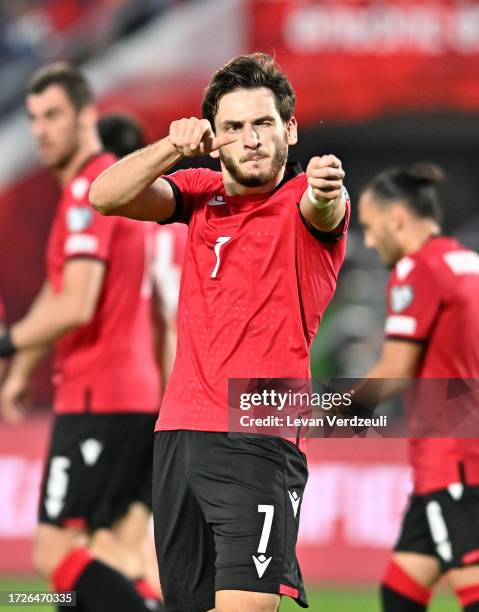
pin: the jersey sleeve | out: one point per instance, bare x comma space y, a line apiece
189, 188
167, 263
87, 233
413, 301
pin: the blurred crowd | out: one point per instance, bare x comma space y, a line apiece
36, 31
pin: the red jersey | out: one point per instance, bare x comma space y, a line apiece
256, 281
169, 244
432, 298
2, 313
108, 364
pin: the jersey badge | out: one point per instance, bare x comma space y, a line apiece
79, 218
401, 297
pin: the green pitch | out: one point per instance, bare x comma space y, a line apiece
321, 600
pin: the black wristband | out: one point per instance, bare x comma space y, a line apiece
7, 348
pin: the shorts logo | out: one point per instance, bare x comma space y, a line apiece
456, 489
401, 297
295, 501
261, 564
91, 450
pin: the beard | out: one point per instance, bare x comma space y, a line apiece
58, 162
389, 250
256, 178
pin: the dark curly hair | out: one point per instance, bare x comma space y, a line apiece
249, 72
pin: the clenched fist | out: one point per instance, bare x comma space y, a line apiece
325, 178
192, 137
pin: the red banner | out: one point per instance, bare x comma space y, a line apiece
349, 516
22, 449
361, 58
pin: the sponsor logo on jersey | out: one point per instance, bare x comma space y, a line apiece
79, 188
261, 564
399, 324
295, 500
81, 243
218, 200
79, 218
401, 297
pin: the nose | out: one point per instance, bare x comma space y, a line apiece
38, 128
251, 139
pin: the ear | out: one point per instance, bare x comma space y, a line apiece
88, 116
292, 131
398, 215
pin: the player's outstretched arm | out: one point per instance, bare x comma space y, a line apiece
397, 365
14, 391
133, 188
322, 203
56, 313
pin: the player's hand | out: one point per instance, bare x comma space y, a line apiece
192, 137
325, 176
14, 399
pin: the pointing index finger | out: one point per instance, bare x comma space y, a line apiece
224, 139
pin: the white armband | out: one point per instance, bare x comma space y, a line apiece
319, 204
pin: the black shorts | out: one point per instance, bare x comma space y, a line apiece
445, 525
98, 464
226, 513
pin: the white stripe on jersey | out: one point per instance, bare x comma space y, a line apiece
401, 325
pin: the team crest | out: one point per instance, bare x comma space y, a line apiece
79, 218
401, 297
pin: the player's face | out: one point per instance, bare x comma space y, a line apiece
378, 228
55, 126
259, 155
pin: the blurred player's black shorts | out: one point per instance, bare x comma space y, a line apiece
98, 464
226, 516
444, 524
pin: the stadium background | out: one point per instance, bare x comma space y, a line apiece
378, 83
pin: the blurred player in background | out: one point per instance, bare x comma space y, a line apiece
96, 492
265, 245
121, 134
432, 331
3, 362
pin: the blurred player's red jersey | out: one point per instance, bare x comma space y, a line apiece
108, 364
432, 298
169, 244
255, 285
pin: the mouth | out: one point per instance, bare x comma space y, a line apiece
255, 158
44, 146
